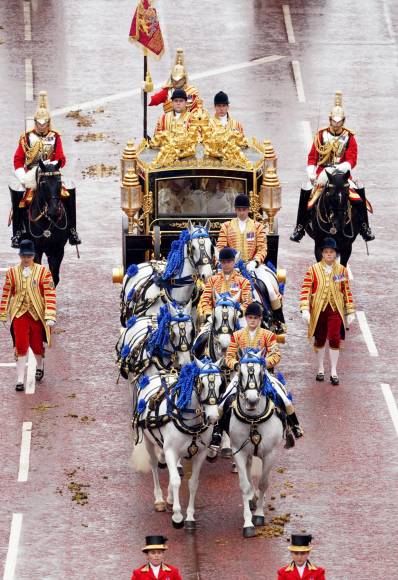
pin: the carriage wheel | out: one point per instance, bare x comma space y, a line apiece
157, 240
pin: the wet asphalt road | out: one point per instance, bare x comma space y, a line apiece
341, 480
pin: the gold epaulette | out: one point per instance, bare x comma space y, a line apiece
290, 567
311, 566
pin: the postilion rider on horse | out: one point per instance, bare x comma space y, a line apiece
155, 547
30, 298
333, 146
248, 237
254, 336
45, 144
301, 567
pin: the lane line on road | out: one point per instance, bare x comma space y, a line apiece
8, 364
27, 20
24, 457
391, 404
288, 23
388, 20
13, 546
127, 94
298, 79
30, 385
367, 335
350, 274
28, 79
307, 132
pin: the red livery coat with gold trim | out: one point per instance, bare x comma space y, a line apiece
218, 283
311, 572
41, 291
166, 572
262, 339
320, 288
252, 243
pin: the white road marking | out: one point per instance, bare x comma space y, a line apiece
27, 20
28, 79
288, 23
367, 335
3, 269
127, 94
391, 404
30, 385
388, 20
29, 123
298, 80
8, 364
23, 472
13, 545
350, 274
307, 132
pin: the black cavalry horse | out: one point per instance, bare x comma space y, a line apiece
333, 215
45, 220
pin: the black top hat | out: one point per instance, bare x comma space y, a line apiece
300, 543
227, 254
221, 98
27, 248
254, 309
329, 243
242, 201
155, 543
179, 94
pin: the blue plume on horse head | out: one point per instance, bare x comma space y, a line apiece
185, 384
269, 390
251, 354
226, 299
161, 336
175, 259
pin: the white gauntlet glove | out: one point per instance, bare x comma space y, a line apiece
20, 175
251, 266
350, 319
50, 323
306, 316
311, 172
322, 178
345, 166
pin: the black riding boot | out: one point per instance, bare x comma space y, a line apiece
295, 426
70, 206
364, 230
279, 321
302, 216
17, 222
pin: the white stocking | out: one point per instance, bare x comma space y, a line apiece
21, 363
334, 357
320, 354
39, 361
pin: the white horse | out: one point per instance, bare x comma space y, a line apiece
146, 286
150, 344
215, 336
255, 431
175, 418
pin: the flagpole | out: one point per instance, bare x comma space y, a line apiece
145, 129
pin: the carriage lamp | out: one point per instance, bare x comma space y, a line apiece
117, 275
128, 159
131, 197
271, 196
270, 158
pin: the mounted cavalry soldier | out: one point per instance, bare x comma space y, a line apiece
155, 568
326, 305
42, 143
222, 118
178, 80
179, 115
301, 567
30, 298
228, 280
333, 146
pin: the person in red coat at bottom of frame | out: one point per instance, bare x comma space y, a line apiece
301, 567
155, 568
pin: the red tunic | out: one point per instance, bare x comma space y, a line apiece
311, 572
57, 154
166, 572
349, 152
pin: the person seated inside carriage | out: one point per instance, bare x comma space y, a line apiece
42, 143
334, 146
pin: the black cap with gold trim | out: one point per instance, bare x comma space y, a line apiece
300, 543
155, 543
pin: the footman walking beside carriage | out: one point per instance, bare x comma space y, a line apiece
155, 568
326, 305
301, 567
30, 298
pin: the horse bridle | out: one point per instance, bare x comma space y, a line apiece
225, 327
184, 343
251, 380
204, 259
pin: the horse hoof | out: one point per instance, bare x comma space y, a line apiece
249, 532
253, 503
160, 506
190, 525
226, 453
258, 520
211, 459
180, 470
177, 525
162, 465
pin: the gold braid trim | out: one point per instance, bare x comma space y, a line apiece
31, 153
328, 150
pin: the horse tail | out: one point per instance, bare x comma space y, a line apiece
139, 460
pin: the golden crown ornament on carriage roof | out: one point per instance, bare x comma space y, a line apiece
337, 113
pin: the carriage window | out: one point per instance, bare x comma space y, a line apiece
198, 196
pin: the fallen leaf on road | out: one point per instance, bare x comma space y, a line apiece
43, 407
